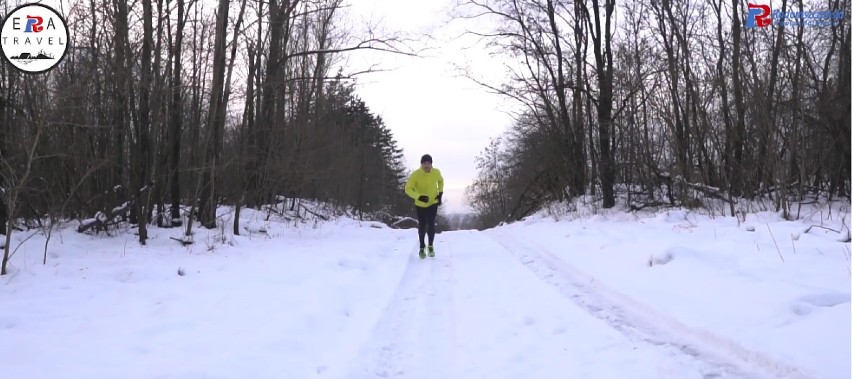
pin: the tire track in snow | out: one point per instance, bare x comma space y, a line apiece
411, 337
722, 358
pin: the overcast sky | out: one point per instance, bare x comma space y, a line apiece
428, 106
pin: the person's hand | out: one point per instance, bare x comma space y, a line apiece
440, 195
423, 198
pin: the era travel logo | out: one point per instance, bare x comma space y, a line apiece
34, 38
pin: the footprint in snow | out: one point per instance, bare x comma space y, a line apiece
8, 324
826, 299
801, 308
806, 304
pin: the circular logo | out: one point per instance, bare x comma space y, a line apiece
34, 38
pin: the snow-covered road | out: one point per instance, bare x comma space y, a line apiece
486, 308
351, 300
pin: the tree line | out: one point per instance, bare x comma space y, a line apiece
164, 110
664, 103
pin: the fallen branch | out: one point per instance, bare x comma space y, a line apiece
823, 227
100, 222
313, 213
713, 192
401, 220
635, 206
183, 242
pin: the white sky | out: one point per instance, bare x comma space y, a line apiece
428, 106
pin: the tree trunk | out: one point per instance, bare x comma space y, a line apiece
143, 152
737, 185
602, 41
176, 118
215, 121
576, 164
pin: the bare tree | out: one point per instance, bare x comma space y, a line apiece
16, 182
753, 115
602, 42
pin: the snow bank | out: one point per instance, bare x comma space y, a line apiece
285, 300
777, 287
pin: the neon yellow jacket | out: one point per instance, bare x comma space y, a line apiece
425, 183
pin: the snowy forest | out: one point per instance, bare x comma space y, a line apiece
216, 189
161, 105
163, 109
665, 103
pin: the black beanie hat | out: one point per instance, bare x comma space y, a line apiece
426, 158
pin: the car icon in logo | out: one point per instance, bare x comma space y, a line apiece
34, 38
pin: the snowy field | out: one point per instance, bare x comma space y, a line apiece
666, 295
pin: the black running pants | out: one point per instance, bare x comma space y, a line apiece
426, 223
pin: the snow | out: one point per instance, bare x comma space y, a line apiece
745, 288
666, 295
